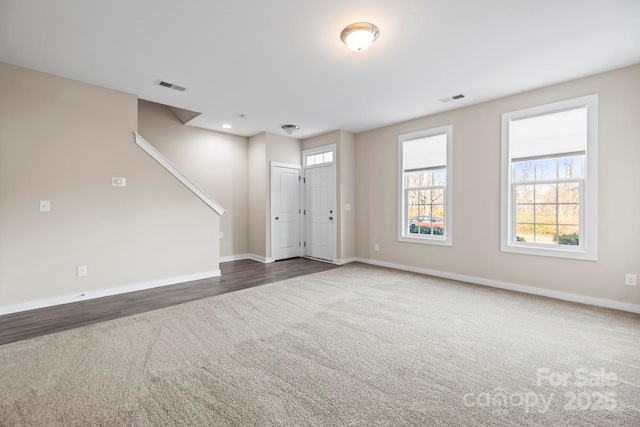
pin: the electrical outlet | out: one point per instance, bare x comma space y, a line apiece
82, 270
376, 247
45, 206
347, 207
630, 279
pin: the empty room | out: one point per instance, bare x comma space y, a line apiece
325, 213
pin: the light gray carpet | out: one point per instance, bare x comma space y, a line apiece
356, 345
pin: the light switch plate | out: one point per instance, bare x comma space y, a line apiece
45, 206
347, 207
82, 270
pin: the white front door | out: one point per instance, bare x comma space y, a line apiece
285, 211
320, 196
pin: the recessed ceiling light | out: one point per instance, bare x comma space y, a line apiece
359, 36
226, 126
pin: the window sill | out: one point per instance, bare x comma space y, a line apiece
438, 241
579, 254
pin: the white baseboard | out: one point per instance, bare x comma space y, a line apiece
247, 256
234, 257
566, 296
269, 260
49, 302
261, 259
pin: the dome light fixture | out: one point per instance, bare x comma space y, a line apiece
359, 36
290, 128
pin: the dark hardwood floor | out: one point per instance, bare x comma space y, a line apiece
236, 275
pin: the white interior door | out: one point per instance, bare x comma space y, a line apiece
285, 211
320, 201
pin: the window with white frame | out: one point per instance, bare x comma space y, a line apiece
424, 186
319, 159
549, 182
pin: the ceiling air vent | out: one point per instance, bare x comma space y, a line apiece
171, 86
451, 98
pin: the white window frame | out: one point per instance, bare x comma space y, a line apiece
588, 248
319, 150
403, 236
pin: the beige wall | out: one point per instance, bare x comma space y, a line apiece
216, 162
347, 191
345, 187
283, 149
321, 140
63, 141
257, 164
476, 194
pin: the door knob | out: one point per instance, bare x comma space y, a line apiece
277, 218
330, 218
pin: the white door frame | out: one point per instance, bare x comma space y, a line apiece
272, 214
303, 198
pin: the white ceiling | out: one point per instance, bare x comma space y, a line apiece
282, 61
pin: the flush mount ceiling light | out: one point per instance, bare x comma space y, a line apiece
359, 36
290, 128
226, 126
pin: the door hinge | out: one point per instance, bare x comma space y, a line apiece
299, 211
299, 178
305, 244
299, 243
305, 211
304, 180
